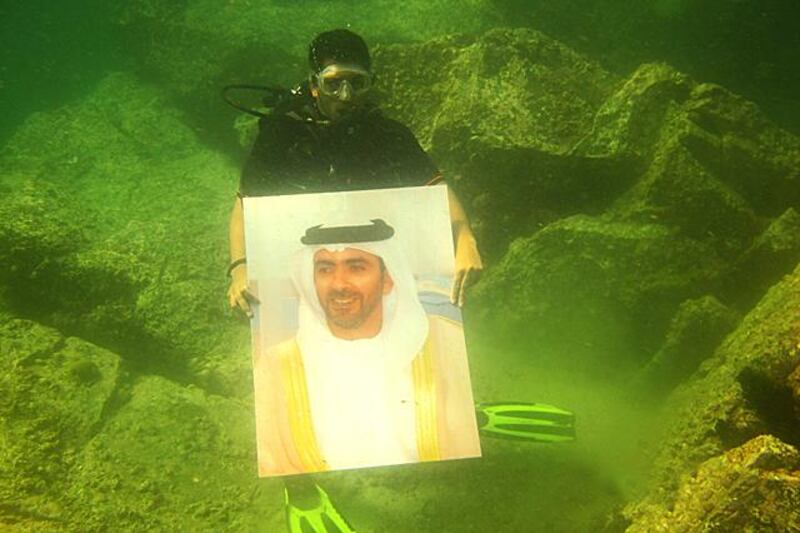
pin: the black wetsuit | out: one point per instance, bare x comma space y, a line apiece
298, 152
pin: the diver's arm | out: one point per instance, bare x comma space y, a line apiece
468, 259
238, 295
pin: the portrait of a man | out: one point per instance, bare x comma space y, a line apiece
370, 377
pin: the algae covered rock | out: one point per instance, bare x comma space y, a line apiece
677, 191
531, 131
84, 449
39, 223
694, 332
754, 487
505, 88
729, 136
174, 457
150, 203
581, 279
745, 149
57, 392
628, 123
700, 147
771, 255
122, 153
502, 111
747, 389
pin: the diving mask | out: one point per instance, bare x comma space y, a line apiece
344, 81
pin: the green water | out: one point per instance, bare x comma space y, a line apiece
631, 175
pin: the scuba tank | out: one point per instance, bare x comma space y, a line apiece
276, 99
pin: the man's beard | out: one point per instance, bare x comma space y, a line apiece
346, 320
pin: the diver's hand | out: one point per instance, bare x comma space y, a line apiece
468, 267
239, 297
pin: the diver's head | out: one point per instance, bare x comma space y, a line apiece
340, 72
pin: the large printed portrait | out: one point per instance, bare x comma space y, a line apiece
358, 354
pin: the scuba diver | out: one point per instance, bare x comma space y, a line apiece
327, 135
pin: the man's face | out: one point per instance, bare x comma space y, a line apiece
350, 286
340, 89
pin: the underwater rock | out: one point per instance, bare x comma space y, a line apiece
502, 111
677, 191
582, 280
772, 255
745, 390
754, 487
39, 223
739, 145
122, 152
658, 107
173, 455
695, 331
649, 123
505, 88
56, 393
148, 280
531, 131
794, 385
628, 124
713, 163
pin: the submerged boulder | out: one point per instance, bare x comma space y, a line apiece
701, 150
582, 280
698, 147
660, 110
501, 112
121, 153
57, 392
136, 260
754, 487
679, 192
88, 446
771, 255
694, 332
747, 389
173, 456
628, 124
39, 224
794, 385
745, 149
531, 131
504, 88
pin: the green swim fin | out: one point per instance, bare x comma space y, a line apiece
309, 509
535, 422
